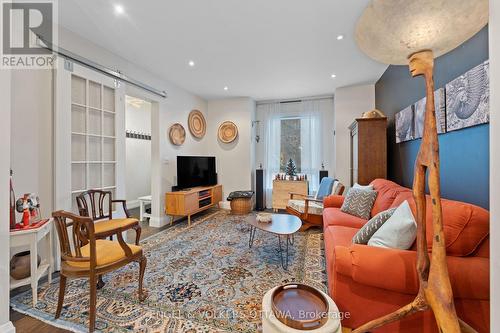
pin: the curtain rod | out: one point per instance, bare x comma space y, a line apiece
294, 100
99, 68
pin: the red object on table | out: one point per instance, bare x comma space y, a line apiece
26, 217
33, 225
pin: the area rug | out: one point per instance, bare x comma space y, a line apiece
202, 278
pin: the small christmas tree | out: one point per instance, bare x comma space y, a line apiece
291, 169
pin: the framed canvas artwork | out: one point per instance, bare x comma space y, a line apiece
405, 125
467, 99
440, 107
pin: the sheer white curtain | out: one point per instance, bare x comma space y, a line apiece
311, 145
311, 139
271, 114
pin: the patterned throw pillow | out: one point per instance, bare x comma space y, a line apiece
398, 232
359, 202
366, 232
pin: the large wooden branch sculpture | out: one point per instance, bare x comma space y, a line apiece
435, 289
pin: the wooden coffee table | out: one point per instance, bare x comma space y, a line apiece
282, 225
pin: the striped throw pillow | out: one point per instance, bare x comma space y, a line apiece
359, 202
366, 232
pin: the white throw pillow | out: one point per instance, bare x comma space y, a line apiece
398, 232
365, 187
335, 187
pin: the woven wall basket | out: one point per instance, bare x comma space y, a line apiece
227, 132
196, 124
177, 134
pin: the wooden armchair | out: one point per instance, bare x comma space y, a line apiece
83, 255
91, 203
310, 209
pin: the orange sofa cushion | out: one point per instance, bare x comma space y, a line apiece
469, 276
333, 237
387, 193
334, 216
466, 226
333, 201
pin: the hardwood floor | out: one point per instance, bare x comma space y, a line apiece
25, 324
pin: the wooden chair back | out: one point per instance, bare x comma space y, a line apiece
75, 232
93, 203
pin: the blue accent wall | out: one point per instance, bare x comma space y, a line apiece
464, 153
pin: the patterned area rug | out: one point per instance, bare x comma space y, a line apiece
202, 278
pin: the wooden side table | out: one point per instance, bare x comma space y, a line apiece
283, 188
143, 201
30, 238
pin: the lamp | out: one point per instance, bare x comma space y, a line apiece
414, 32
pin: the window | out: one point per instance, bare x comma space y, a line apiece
290, 143
294, 130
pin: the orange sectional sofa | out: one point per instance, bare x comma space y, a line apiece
367, 282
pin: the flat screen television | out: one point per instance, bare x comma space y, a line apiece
195, 171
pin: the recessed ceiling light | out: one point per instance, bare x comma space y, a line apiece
226, 88
119, 10
333, 76
191, 63
340, 37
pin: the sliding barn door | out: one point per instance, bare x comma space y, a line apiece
89, 133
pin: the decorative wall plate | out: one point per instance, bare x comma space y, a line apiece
177, 134
196, 123
227, 132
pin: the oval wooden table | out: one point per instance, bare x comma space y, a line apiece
282, 225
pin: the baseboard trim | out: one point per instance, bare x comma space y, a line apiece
7, 327
158, 222
225, 205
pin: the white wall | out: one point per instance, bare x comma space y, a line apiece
350, 102
31, 135
5, 128
138, 153
235, 161
494, 35
165, 112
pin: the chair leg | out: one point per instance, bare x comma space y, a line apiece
100, 282
62, 291
142, 268
305, 226
137, 229
93, 301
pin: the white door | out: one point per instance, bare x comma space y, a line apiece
89, 133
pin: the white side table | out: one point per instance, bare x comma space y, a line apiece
30, 238
143, 201
271, 324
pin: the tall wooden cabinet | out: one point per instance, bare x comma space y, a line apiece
368, 150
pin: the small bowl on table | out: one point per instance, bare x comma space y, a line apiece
264, 217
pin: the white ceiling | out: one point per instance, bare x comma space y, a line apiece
265, 49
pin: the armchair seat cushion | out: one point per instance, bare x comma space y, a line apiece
110, 225
107, 252
315, 208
